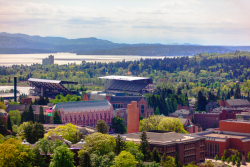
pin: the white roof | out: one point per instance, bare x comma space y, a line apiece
124, 78
43, 80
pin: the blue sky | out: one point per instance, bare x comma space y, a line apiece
206, 22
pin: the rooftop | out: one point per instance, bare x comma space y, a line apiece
238, 102
83, 105
3, 113
162, 137
126, 98
125, 78
51, 81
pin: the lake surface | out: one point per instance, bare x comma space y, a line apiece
21, 89
65, 58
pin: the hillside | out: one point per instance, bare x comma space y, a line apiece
22, 43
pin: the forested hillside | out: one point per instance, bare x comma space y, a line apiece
205, 72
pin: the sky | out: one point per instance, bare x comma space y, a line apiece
205, 22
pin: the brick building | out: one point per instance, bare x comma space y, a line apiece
231, 135
85, 112
123, 101
189, 148
234, 103
211, 119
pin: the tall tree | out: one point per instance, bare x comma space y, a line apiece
119, 145
84, 160
156, 157
31, 114
125, 159
15, 117
237, 94
41, 115
9, 124
157, 111
62, 157
176, 160
228, 95
102, 127
201, 102
118, 125
144, 145
57, 118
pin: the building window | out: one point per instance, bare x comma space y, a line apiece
142, 108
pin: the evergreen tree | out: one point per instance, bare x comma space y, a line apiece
57, 118
144, 145
237, 94
102, 127
119, 145
9, 124
157, 111
118, 125
41, 115
176, 160
24, 116
85, 160
179, 91
216, 157
201, 102
156, 157
228, 95
31, 114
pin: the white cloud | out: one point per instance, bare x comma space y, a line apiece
204, 22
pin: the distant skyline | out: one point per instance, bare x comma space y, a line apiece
213, 22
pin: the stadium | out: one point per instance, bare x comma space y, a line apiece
126, 84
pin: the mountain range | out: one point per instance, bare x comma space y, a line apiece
22, 43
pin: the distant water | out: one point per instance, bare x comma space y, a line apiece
65, 58
21, 89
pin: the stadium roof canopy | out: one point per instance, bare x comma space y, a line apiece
132, 85
125, 78
51, 81
50, 88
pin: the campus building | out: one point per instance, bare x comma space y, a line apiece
234, 103
231, 135
85, 112
211, 119
189, 148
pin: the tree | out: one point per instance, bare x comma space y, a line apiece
223, 159
171, 124
15, 117
38, 159
102, 160
13, 153
125, 159
9, 124
119, 145
157, 111
103, 143
3, 128
155, 155
225, 153
33, 132
201, 102
41, 115
77, 137
216, 157
228, 95
118, 125
237, 94
144, 145
248, 155
2, 106
238, 162
233, 160
31, 114
228, 160
24, 116
84, 160
56, 118
62, 157
102, 127
176, 160
67, 131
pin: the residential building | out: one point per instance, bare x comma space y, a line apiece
85, 112
184, 113
189, 148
